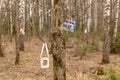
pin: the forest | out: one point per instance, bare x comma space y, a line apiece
59, 39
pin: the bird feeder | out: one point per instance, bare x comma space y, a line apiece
44, 60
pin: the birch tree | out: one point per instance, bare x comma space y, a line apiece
114, 24
89, 16
11, 20
117, 9
106, 42
21, 24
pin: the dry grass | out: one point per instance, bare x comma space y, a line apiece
29, 67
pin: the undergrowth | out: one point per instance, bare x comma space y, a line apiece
109, 74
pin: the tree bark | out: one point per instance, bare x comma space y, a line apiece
11, 21
106, 43
58, 51
58, 42
21, 25
114, 24
17, 31
1, 51
100, 15
27, 20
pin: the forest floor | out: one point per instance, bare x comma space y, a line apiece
29, 67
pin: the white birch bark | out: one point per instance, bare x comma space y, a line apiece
1, 3
89, 16
116, 17
22, 14
106, 43
11, 19
95, 15
40, 17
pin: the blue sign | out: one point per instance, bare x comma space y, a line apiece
69, 25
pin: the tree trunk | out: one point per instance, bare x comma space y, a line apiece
114, 24
99, 15
27, 20
58, 51
1, 51
33, 18
21, 25
58, 42
106, 43
17, 31
92, 16
11, 22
